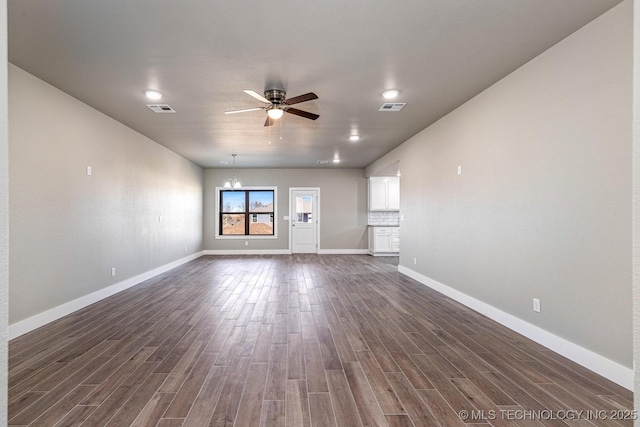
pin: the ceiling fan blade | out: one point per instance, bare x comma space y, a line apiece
301, 113
244, 110
269, 121
301, 98
256, 95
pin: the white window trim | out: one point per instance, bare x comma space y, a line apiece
248, 237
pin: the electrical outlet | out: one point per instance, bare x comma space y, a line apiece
89, 170
459, 169
536, 305
113, 271
246, 243
160, 218
415, 261
185, 249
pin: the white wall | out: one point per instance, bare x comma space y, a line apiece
542, 208
343, 216
69, 229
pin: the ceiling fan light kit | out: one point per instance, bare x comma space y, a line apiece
278, 104
275, 113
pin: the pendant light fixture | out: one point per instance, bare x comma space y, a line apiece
233, 182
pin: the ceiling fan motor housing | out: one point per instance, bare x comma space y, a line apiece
276, 96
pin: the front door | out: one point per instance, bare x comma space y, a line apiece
304, 221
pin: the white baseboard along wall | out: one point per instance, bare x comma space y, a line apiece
41, 319
609, 369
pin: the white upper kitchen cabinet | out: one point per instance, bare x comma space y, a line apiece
384, 193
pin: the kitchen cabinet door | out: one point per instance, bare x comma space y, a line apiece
393, 194
382, 240
377, 194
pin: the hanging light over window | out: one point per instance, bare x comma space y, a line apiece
233, 182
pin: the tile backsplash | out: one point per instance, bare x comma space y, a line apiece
384, 218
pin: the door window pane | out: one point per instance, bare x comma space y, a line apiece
304, 209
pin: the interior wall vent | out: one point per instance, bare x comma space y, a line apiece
322, 162
161, 108
392, 106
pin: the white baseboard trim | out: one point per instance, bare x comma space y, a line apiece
343, 251
41, 319
284, 252
609, 369
383, 253
247, 252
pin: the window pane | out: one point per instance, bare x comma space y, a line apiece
232, 224
260, 201
232, 201
261, 224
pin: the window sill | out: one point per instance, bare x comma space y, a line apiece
236, 237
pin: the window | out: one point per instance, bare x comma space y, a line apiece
246, 212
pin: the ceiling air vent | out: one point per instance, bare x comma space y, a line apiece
161, 108
392, 106
322, 162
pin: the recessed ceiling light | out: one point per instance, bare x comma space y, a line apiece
354, 137
153, 94
390, 94
336, 160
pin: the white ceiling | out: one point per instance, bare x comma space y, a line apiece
201, 54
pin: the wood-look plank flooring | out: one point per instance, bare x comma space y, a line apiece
302, 340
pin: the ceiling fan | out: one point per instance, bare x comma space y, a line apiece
278, 104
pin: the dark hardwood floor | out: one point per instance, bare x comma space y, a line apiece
295, 341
